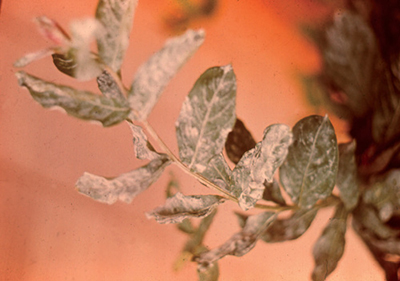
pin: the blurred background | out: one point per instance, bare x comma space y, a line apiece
48, 231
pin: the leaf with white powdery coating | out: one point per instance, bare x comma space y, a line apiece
206, 117
109, 87
346, 181
81, 104
124, 187
310, 170
218, 172
116, 16
180, 207
240, 243
329, 248
152, 77
143, 149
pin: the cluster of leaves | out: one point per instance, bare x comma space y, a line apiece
307, 158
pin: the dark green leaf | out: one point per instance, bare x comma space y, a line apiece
206, 117
81, 104
329, 248
240, 243
124, 187
65, 63
155, 74
116, 16
346, 181
272, 192
309, 172
109, 87
180, 207
239, 141
143, 149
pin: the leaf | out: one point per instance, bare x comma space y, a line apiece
31, 57
109, 87
239, 141
210, 274
384, 194
310, 169
240, 243
116, 16
51, 30
259, 164
65, 63
218, 172
347, 181
206, 117
290, 228
180, 207
143, 149
329, 248
81, 104
154, 75
124, 187
272, 192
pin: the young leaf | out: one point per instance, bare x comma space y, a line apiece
31, 57
81, 104
240, 243
109, 87
347, 175
124, 187
143, 149
329, 248
180, 207
290, 228
155, 74
116, 16
239, 141
206, 117
218, 172
272, 192
310, 169
384, 195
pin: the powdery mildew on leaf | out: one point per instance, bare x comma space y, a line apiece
206, 117
143, 149
180, 207
124, 187
81, 104
240, 243
116, 16
310, 170
346, 181
109, 87
329, 248
152, 77
218, 172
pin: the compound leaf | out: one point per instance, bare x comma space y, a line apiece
155, 74
239, 141
116, 16
124, 187
180, 207
329, 248
81, 104
309, 172
206, 117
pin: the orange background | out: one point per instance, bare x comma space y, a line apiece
50, 232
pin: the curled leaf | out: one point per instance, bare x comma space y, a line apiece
309, 172
239, 141
206, 117
124, 187
81, 104
155, 74
272, 192
143, 149
180, 207
329, 248
240, 243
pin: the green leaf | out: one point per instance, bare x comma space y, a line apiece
209, 274
116, 17
259, 164
154, 75
240, 243
309, 172
384, 194
206, 117
196, 241
290, 228
329, 248
218, 172
180, 207
109, 87
239, 141
272, 192
81, 104
143, 149
65, 63
124, 187
347, 181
